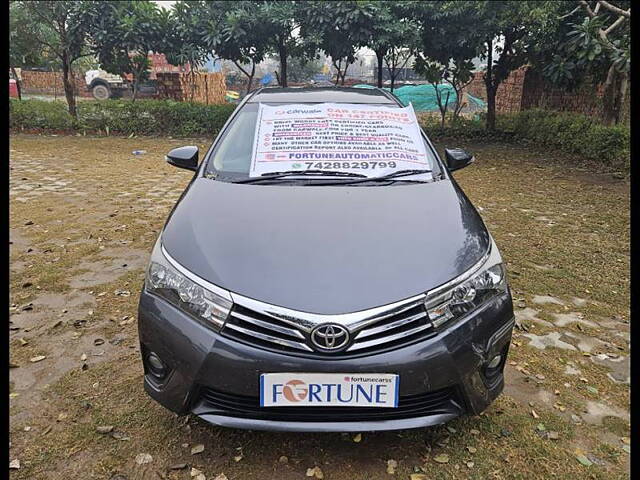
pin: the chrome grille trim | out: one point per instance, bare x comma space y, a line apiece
367, 332
306, 321
270, 326
261, 324
380, 341
269, 338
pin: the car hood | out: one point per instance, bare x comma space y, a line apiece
325, 249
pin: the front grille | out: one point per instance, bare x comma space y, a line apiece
438, 402
264, 331
370, 331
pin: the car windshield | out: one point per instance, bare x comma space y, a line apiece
231, 158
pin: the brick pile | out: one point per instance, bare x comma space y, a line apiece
50, 83
207, 88
510, 92
525, 89
539, 94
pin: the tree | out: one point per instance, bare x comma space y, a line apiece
447, 46
457, 74
62, 31
302, 69
434, 73
396, 40
24, 50
337, 28
237, 32
184, 41
513, 30
593, 39
279, 19
122, 35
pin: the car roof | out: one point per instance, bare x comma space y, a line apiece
321, 95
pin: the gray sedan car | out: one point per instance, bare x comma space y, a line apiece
322, 301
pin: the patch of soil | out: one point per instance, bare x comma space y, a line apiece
118, 261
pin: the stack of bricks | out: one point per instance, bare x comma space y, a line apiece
50, 83
169, 85
540, 94
207, 88
510, 92
525, 89
477, 87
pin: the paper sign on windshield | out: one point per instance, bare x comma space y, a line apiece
367, 139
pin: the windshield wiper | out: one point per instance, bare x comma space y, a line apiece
299, 173
390, 177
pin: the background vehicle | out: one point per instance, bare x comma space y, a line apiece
104, 85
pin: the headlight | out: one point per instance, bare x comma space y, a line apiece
165, 280
468, 291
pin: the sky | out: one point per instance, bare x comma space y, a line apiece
165, 4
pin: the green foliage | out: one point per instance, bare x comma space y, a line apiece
144, 117
39, 115
588, 43
61, 30
301, 70
568, 132
123, 33
337, 28
187, 33
573, 133
236, 31
25, 50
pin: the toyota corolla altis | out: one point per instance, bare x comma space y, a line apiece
340, 295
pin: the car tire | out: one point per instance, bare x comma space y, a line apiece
101, 92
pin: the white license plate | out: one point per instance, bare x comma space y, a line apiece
329, 390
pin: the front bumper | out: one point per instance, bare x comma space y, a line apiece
217, 378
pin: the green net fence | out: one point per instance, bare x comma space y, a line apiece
423, 97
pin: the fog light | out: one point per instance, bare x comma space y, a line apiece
157, 368
495, 361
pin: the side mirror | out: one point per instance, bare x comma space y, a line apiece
183, 157
457, 158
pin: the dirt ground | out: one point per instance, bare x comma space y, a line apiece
85, 212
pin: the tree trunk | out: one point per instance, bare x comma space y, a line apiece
344, 74
615, 91
444, 112
67, 81
491, 109
624, 86
18, 86
135, 88
253, 71
491, 89
393, 80
380, 57
338, 66
250, 75
282, 52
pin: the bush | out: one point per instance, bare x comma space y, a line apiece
122, 117
576, 134
569, 132
39, 114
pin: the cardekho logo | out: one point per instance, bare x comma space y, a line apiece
295, 390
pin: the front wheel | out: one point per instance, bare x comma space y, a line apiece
101, 92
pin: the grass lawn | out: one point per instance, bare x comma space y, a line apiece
85, 212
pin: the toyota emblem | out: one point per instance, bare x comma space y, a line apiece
329, 337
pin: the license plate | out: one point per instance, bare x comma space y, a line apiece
329, 390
